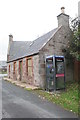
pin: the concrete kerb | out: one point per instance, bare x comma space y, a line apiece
23, 85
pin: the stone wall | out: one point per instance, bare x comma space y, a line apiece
36, 70
25, 78
10, 74
54, 47
63, 20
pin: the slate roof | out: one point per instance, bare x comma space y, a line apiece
20, 49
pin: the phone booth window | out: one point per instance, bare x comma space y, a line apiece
49, 65
59, 66
59, 73
50, 73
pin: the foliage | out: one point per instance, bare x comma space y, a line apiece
73, 49
29, 89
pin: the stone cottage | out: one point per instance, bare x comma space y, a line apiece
26, 59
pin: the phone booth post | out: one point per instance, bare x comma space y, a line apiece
55, 73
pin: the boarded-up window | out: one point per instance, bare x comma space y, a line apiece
14, 67
9, 68
29, 67
21, 69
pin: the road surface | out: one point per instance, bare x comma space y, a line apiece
20, 103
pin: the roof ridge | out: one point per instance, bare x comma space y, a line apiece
38, 37
45, 33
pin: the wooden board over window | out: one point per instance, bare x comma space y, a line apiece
29, 67
9, 68
14, 67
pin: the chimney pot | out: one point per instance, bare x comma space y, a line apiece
11, 35
62, 9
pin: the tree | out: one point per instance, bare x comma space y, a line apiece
73, 49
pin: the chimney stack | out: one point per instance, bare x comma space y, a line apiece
10, 38
9, 44
63, 19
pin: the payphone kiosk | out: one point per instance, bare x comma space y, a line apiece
55, 73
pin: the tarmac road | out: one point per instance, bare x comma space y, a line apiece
20, 103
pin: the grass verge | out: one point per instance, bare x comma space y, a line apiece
29, 89
68, 99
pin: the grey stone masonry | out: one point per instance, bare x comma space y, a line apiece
10, 42
10, 73
54, 47
36, 70
63, 19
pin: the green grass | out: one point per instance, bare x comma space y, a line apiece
29, 89
68, 99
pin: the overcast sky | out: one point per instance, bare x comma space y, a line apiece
28, 19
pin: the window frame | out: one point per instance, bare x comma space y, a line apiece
14, 67
29, 66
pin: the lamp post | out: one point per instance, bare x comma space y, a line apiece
79, 18
79, 11
79, 14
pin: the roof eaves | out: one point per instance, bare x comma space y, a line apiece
22, 57
63, 14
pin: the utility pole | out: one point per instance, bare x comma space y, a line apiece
79, 24
79, 18
79, 11
79, 14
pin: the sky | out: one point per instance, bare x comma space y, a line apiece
26, 20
